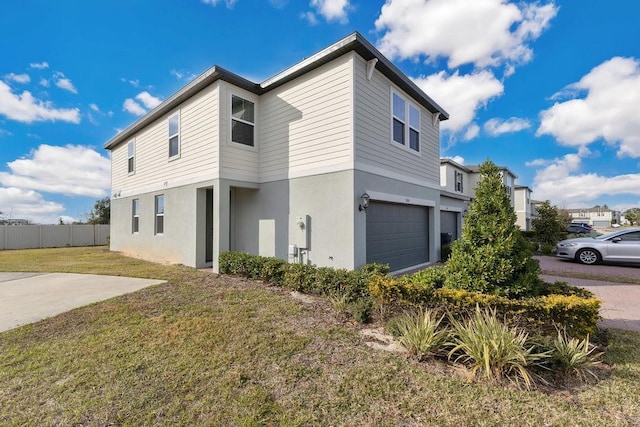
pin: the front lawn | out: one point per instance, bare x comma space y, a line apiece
209, 350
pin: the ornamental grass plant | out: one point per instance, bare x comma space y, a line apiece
493, 350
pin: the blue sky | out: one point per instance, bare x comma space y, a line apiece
549, 89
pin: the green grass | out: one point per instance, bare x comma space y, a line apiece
204, 349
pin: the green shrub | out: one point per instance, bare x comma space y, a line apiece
299, 277
493, 349
574, 357
445, 252
492, 256
360, 309
547, 248
421, 333
573, 308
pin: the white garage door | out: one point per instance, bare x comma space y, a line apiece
397, 235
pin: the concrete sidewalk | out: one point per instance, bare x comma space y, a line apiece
29, 297
620, 302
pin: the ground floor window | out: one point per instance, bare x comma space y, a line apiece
135, 215
159, 213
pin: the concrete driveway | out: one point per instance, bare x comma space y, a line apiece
620, 301
29, 297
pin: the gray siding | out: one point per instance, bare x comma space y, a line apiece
305, 125
237, 161
198, 149
373, 146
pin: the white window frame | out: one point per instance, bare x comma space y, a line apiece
246, 122
135, 216
406, 123
131, 157
414, 128
174, 135
158, 214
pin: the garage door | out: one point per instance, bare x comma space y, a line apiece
397, 235
449, 224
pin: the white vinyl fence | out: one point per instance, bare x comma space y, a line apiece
52, 236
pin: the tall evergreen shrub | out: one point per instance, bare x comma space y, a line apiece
491, 256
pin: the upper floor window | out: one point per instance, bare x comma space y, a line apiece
159, 214
242, 121
174, 135
135, 215
458, 181
403, 130
414, 128
399, 106
131, 156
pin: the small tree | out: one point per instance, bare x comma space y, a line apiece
492, 256
633, 216
549, 225
101, 212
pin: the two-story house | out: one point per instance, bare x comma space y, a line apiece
458, 183
524, 206
333, 161
596, 216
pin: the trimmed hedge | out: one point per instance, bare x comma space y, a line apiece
572, 308
353, 285
559, 304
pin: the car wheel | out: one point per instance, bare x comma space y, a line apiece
588, 256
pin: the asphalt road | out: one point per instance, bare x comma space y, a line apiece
621, 301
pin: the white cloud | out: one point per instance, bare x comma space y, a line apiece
94, 107
228, 3
18, 78
44, 82
28, 204
25, 108
73, 170
458, 159
133, 107
309, 17
63, 82
495, 126
461, 95
332, 10
180, 75
471, 132
39, 65
134, 82
607, 111
149, 101
484, 33
561, 181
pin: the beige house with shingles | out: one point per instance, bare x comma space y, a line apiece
285, 167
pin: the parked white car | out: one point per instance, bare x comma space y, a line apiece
619, 246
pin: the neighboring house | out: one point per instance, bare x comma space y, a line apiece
284, 167
455, 182
597, 216
458, 183
524, 207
